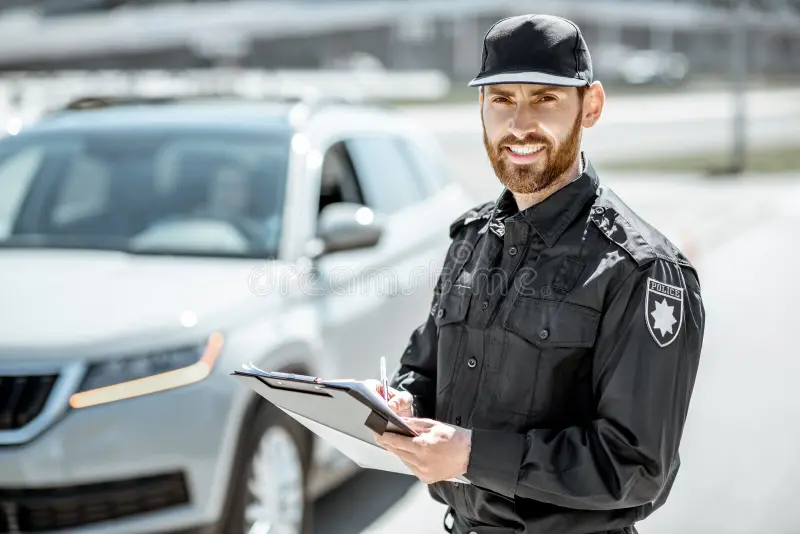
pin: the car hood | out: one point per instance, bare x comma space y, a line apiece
66, 298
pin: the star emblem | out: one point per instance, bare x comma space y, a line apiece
663, 317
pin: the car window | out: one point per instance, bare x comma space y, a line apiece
16, 175
338, 181
428, 164
385, 173
185, 192
84, 192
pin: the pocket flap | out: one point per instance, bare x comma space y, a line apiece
552, 323
452, 306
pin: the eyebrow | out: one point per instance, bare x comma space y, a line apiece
546, 89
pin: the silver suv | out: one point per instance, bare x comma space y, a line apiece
149, 248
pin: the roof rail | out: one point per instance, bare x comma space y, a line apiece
97, 102
312, 100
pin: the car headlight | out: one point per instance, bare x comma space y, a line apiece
147, 373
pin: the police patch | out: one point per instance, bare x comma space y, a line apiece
663, 311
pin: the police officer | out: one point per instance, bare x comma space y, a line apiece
555, 369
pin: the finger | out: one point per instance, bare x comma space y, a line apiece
391, 394
402, 443
399, 407
390, 439
374, 385
419, 425
387, 439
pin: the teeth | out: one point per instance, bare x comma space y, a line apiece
524, 150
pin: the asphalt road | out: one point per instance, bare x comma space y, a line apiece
741, 447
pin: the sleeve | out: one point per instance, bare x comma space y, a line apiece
643, 377
417, 372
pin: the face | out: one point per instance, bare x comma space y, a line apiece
532, 133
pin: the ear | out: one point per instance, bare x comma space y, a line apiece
593, 102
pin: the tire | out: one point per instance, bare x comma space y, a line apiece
269, 429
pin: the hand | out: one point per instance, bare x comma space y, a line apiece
400, 402
439, 452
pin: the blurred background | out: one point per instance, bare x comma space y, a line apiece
700, 135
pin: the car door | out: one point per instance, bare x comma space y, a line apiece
375, 297
409, 257
351, 313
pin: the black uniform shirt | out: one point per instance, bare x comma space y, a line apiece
567, 337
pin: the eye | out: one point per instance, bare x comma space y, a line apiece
500, 100
548, 98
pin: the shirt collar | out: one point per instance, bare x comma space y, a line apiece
551, 217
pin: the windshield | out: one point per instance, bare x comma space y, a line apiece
187, 192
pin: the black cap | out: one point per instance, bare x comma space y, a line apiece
540, 49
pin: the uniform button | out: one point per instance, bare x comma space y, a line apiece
485, 304
512, 251
440, 313
472, 362
458, 420
544, 333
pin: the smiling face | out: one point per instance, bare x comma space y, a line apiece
532, 133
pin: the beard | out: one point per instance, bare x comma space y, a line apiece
552, 163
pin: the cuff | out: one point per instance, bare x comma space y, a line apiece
495, 459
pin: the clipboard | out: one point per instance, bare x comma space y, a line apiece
345, 413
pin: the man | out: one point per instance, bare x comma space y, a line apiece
555, 370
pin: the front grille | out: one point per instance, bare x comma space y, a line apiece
22, 399
40, 510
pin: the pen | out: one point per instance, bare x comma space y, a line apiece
384, 380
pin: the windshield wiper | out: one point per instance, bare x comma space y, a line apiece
119, 244
202, 253
64, 241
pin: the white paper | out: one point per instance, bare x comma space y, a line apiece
366, 455
369, 456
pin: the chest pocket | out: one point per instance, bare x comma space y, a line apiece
550, 323
450, 322
452, 306
545, 358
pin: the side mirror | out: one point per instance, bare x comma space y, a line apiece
346, 226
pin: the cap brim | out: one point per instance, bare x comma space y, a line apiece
538, 78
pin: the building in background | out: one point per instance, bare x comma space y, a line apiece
671, 39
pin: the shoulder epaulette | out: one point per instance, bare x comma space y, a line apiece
624, 227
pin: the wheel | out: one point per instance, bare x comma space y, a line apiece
269, 493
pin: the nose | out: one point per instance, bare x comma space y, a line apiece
523, 122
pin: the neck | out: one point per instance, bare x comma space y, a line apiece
526, 200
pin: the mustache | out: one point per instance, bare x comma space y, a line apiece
530, 139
